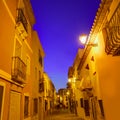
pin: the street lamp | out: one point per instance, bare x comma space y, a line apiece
84, 40
69, 80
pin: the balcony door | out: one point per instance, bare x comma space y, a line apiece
94, 111
18, 49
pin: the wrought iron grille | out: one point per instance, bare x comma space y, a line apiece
113, 34
18, 70
21, 18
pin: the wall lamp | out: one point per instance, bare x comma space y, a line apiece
84, 40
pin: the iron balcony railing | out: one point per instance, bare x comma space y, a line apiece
21, 18
18, 70
112, 45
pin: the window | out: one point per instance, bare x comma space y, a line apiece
86, 108
1, 98
81, 102
66, 98
41, 87
101, 107
46, 105
18, 65
35, 106
92, 58
21, 18
87, 67
26, 106
40, 58
28, 64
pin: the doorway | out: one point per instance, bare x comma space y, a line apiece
14, 110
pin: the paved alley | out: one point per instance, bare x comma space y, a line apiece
62, 115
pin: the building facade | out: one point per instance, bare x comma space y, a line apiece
107, 57
98, 68
63, 97
37, 74
21, 62
49, 92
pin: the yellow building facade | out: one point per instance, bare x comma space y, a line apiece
107, 58
37, 74
48, 95
63, 98
98, 67
20, 64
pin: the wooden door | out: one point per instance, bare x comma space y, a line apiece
14, 110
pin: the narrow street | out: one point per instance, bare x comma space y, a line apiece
62, 114
59, 60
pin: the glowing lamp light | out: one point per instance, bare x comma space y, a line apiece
69, 80
68, 93
83, 38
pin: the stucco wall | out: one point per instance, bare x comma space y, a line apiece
108, 69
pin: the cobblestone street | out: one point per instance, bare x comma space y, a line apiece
62, 115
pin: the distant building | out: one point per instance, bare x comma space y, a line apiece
49, 94
37, 72
63, 97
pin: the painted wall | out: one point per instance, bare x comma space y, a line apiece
6, 38
7, 50
108, 68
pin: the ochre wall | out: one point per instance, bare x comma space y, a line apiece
108, 69
6, 39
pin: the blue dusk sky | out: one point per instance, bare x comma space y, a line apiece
59, 24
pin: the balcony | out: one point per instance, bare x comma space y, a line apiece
88, 91
18, 70
112, 34
21, 24
87, 88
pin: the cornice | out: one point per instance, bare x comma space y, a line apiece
99, 19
